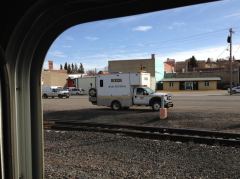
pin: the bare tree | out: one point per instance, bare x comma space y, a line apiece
91, 72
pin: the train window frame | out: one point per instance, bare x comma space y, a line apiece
25, 54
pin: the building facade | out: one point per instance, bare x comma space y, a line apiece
85, 83
169, 66
174, 84
52, 77
223, 74
209, 68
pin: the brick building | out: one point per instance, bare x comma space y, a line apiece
169, 66
52, 77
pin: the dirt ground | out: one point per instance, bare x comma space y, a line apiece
210, 110
76, 154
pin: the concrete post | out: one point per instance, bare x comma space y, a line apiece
163, 110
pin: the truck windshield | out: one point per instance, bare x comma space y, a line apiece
149, 90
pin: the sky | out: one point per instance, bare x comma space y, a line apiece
199, 30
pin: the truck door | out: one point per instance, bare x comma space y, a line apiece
54, 92
139, 97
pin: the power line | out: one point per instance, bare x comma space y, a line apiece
185, 39
195, 35
175, 44
182, 39
198, 35
182, 42
225, 49
237, 49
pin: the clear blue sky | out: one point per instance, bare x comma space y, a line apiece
199, 30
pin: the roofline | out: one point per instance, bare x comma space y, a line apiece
130, 60
191, 79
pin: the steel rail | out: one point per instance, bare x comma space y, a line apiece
157, 133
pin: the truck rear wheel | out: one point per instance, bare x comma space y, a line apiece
116, 105
156, 105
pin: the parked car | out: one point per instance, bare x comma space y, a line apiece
76, 91
48, 91
235, 89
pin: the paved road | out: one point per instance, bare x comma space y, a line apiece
211, 111
206, 103
185, 102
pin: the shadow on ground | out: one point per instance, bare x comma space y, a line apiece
146, 117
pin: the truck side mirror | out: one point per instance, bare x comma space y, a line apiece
145, 93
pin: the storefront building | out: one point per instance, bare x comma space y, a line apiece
173, 84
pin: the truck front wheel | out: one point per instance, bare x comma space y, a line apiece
116, 105
156, 105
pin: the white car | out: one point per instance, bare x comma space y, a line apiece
47, 92
235, 89
76, 91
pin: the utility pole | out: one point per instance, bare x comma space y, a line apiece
229, 40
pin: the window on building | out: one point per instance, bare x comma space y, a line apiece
171, 84
206, 83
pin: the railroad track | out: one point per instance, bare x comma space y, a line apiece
156, 133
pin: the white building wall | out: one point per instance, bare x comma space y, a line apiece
86, 83
153, 83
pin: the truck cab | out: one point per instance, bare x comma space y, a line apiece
146, 96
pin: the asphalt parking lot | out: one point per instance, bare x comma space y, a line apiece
210, 110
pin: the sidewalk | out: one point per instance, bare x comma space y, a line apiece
198, 93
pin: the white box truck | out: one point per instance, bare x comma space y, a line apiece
122, 90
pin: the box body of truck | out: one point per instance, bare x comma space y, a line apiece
119, 87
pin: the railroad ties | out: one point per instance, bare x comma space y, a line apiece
156, 133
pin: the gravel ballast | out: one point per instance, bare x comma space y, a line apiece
70, 154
